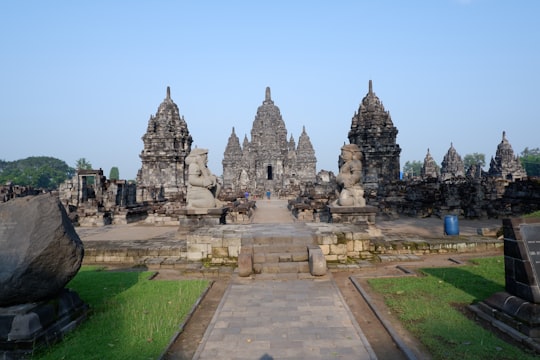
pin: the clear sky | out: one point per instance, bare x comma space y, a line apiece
81, 78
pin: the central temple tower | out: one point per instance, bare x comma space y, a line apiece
268, 161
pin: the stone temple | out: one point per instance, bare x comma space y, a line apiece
505, 165
167, 142
269, 162
452, 165
375, 134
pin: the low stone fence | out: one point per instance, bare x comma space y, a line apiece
221, 245
340, 242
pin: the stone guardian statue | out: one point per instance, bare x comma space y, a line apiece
203, 187
349, 179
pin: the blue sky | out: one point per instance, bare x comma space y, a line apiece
81, 78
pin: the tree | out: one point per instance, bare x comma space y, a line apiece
114, 174
83, 164
37, 171
530, 160
473, 160
412, 168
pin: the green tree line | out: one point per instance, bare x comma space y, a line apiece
37, 171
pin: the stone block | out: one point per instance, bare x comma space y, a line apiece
234, 250
325, 249
338, 249
197, 251
245, 264
331, 257
317, 261
358, 245
40, 251
327, 239
220, 252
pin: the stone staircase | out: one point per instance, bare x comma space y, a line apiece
280, 249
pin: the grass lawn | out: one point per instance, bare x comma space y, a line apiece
432, 308
131, 317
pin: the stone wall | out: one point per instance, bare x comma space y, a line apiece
471, 198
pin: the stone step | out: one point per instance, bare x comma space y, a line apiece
275, 257
284, 240
279, 248
282, 267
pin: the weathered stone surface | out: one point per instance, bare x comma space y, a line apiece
349, 179
40, 252
429, 169
505, 165
375, 134
245, 262
268, 161
452, 165
203, 186
167, 142
317, 261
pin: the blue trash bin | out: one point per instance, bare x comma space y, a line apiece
451, 225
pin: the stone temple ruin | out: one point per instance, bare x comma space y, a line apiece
268, 162
504, 190
167, 143
375, 134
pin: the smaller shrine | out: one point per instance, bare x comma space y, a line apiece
452, 165
429, 168
167, 143
505, 165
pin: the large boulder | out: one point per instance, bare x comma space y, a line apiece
40, 252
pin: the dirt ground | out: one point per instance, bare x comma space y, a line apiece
186, 344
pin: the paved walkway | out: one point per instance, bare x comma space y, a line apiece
283, 319
272, 211
294, 319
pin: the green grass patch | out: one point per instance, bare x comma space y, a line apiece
433, 309
131, 316
532, 215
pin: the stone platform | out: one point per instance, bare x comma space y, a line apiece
165, 247
24, 327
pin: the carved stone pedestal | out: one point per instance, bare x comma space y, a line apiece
352, 214
195, 218
26, 326
516, 311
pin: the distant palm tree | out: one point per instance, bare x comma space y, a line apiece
83, 164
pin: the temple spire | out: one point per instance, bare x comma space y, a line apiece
370, 87
168, 92
267, 96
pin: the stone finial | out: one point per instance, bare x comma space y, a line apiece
233, 129
370, 87
267, 96
168, 92
504, 135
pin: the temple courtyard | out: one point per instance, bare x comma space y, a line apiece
279, 314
